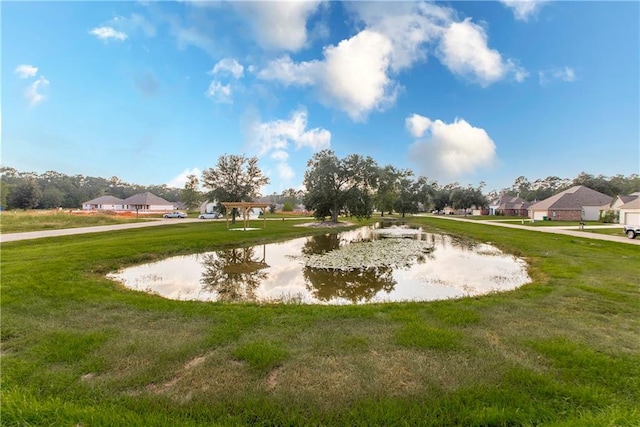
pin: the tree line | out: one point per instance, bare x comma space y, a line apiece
355, 185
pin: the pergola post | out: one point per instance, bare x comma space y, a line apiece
245, 207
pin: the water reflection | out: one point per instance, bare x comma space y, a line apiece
277, 272
234, 274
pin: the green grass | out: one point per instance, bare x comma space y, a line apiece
78, 349
36, 220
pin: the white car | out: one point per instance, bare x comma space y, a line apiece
632, 231
175, 215
212, 215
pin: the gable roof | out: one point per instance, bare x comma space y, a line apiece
104, 200
573, 198
146, 199
633, 204
510, 202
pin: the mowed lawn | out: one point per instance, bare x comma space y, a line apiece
36, 220
78, 349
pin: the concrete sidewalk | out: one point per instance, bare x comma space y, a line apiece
567, 231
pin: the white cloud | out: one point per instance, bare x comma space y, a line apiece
464, 50
228, 66
565, 74
25, 71
417, 125
279, 25
33, 92
181, 179
452, 150
219, 92
108, 33
524, 9
276, 137
353, 76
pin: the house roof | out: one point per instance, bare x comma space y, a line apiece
510, 202
573, 198
104, 200
146, 199
633, 204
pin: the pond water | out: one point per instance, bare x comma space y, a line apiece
382, 263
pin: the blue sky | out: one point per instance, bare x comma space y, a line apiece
456, 91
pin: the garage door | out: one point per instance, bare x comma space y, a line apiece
632, 218
538, 215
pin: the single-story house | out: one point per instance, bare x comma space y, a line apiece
574, 204
630, 212
143, 202
509, 206
104, 203
147, 202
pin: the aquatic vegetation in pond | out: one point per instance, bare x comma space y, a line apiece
359, 266
376, 253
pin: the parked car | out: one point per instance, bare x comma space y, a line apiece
212, 215
175, 214
632, 231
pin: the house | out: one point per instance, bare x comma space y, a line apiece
509, 206
612, 210
104, 203
574, 204
147, 202
630, 212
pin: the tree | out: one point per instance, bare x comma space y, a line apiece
51, 198
235, 178
407, 196
25, 195
336, 184
387, 189
190, 195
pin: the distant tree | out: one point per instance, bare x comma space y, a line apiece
25, 195
4, 190
387, 188
190, 195
287, 207
335, 184
407, 196
235, 178
51, 198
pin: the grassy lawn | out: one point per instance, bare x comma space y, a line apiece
78, 349
21, 221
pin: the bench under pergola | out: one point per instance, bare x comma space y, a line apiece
245, 207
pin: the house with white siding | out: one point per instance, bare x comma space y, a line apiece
141, 203
104, 203
574, 204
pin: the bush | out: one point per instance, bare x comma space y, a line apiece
287, 207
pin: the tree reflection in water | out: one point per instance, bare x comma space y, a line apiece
357, 285
234, 274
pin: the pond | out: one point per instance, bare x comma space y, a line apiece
383, 263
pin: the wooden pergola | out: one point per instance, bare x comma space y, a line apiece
245, 207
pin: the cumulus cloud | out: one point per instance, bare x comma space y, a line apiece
219, 92
417, 125
274, 138
26, 71
565, 74
524, 9
108, 33
450, 150
34, 92
353, 76
465, 51
181, 179
358, 75
279, 25
228, 66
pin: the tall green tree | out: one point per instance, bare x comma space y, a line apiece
25, 195
335, 184
407, 196
190, 195
235, 178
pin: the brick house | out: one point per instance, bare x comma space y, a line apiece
509, 206
574, 204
